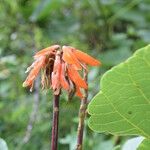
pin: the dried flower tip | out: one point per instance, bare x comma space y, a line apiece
47, 51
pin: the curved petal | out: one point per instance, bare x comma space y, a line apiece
63, 80
78, 92
47, 51
85, 58
75, 77
70, 58
56, 74
34, 72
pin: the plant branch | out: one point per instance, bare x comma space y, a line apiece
55, 122
82, 116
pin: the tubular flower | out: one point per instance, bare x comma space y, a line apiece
36, 66
49, 51
77, 60
61, 69
44, 59
56, 74
73, 56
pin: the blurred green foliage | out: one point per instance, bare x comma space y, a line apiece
108, 29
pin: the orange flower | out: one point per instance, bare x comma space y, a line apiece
75, 77
63, 77
56, 74
78, 92
36, 66
49, 51
73, 56
42, 61
70, 58
61, 69
77, 60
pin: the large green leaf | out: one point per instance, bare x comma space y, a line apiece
122, 107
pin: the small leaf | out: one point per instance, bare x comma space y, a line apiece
122, 107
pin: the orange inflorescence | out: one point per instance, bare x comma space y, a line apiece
60, 69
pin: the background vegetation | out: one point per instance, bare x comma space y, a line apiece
110, 30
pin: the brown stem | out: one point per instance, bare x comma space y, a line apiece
82, 116
54, 137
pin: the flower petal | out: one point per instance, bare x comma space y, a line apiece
47, 51
56, 74
85, 58
78, 92
34, 72
75, 77
70, 58
63, 80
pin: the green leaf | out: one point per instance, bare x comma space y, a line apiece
145, 145
122, 107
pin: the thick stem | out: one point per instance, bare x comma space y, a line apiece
54, 137
82, 116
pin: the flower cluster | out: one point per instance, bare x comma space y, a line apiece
60, 69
